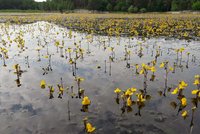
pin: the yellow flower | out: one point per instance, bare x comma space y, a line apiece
142, 71
57, 43
196, 82
184, 114
154, 62
69, 50
42, 84
129, 102
111, 48
86, 101
162, 65
16, 66
197, 76
183, 102
128, 92
90, 128
144, 65
140, 98
182, 85
79, 79
71, 61
46, 56
181, 49
61, 89
133, 89
195, 91
51, 89
137, 66
153, 69
117, 90
171, 68
175, 91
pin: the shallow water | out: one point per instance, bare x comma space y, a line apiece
28, 109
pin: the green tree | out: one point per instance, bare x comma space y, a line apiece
131, 9
143, 10
196, 5
174, 6
109, 7
94, 4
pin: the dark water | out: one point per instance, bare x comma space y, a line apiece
28, 109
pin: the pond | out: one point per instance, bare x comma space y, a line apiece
43, 51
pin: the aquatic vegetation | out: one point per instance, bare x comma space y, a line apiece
43, 84
179, 90
167, 69
144, 71
87, 63
4, 53
196, 92
61, 91
88, 126
184, 114
148, 25
18, 72
85, 103
127, 99
51, 91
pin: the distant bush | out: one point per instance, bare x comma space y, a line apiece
196, 5
143, 10
131, 9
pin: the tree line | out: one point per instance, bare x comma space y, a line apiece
132, 6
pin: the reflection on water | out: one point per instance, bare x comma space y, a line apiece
47, 52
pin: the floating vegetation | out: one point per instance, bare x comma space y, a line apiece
106, 68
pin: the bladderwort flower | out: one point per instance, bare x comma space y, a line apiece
89, 128
85, 103
42, 84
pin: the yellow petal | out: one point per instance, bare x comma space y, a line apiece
90, 128
175, 91
196, 82
197, 76
16, 66
153, 69
86, 101
171, 68
117, 90
129, 102
142, 71
128, 92
162, 65
46, 56
42, 84
184, 114
133, 89
184, 102
195, 91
